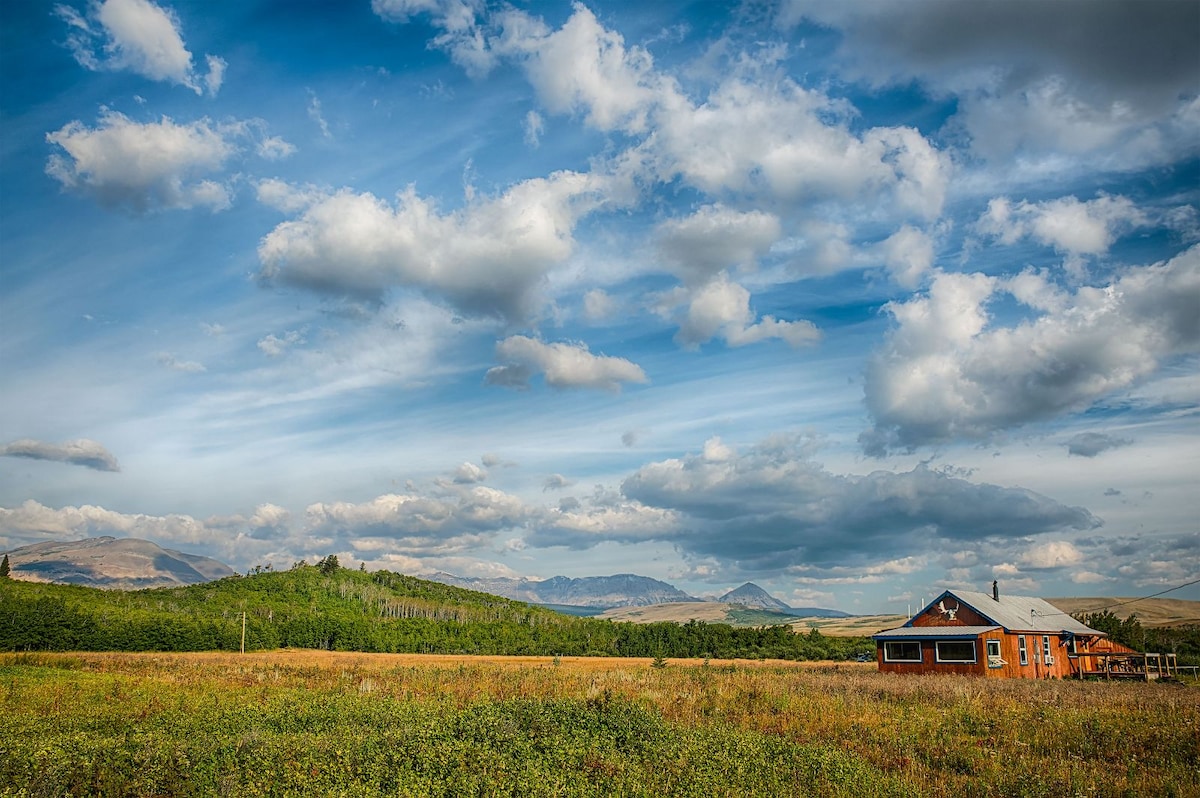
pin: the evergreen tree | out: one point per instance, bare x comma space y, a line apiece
329, 565
1128, 632
4, 568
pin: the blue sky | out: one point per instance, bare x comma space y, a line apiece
858, 301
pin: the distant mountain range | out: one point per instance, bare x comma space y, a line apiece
600, 592
134, 564
620, 590
119, 563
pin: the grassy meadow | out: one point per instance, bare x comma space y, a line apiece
346, 724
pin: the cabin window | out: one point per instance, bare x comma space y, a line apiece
902, 651
1022, 649
955, 650
1046, 658
993, 654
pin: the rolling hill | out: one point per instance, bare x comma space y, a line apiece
1152, 612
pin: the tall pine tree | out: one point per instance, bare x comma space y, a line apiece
4, 569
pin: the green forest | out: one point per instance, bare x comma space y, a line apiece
325, 606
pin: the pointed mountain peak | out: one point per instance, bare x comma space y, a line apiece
751, 595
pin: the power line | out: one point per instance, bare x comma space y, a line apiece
1130, 601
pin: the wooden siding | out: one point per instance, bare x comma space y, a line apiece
1010, 667
1035, 667
964, 616
929, 663
1051, 653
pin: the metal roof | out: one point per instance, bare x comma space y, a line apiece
931, 632
1021, 613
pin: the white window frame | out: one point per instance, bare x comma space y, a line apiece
887, 657
1047, 657
994, 660
1023, 649
937, 652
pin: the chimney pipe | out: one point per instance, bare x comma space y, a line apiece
995, 591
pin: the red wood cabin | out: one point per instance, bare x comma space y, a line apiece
977, 634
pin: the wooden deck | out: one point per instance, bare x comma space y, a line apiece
1139, 667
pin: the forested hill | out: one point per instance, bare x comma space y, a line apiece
336, 608
322, 606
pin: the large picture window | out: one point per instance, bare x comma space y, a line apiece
955, 650
902, 651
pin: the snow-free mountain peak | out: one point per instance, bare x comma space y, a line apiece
121, 563
618, 590
751, 595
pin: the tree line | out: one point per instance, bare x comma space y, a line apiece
329, 607
1183, 641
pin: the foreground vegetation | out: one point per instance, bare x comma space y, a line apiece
320, 723
333, 608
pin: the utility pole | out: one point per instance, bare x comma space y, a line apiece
243, 632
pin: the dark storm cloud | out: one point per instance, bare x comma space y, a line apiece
81, 452
1143, 52
1090, 444
773, 507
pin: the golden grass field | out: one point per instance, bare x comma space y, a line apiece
167, 665
330, 723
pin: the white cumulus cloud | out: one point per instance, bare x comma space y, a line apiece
563, 365
722, 309
1066, 224
1052, 554
488, 258
948, 371
273, 346
420, 525
141, 37
144, 166
714, 238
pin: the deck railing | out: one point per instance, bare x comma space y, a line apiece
1145, 667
